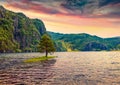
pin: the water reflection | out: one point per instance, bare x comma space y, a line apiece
87, 68
69, 68
26, 73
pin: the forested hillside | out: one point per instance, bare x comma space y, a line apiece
84, 42
19, 33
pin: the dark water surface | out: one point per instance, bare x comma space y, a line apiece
69, 68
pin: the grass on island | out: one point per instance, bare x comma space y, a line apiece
38, 59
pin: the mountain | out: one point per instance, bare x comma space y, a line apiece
18, 32
84, 42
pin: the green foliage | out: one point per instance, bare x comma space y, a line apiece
84, 42
27, 49
38, 59
94, 46
6, 36
46, 44
18, 51
39, 25
59, 46
66, 46
18, 32
118, 47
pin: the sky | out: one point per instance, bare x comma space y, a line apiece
95, 17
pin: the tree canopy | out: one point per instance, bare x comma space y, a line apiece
46, 45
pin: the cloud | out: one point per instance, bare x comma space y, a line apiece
91, 7
107, 2
98, 17
85, 8
32, 5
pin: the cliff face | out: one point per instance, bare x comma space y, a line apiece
18, 32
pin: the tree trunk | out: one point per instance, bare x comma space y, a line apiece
46, 53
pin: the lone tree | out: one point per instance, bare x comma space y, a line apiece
46, 45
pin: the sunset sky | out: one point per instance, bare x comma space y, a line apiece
95, 17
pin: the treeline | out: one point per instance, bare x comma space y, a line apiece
84, 42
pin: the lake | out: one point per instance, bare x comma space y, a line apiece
68, 68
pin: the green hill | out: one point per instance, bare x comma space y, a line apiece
84, 42
18, 32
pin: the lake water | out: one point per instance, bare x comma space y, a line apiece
68, 68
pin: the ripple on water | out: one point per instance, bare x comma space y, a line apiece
69, 68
